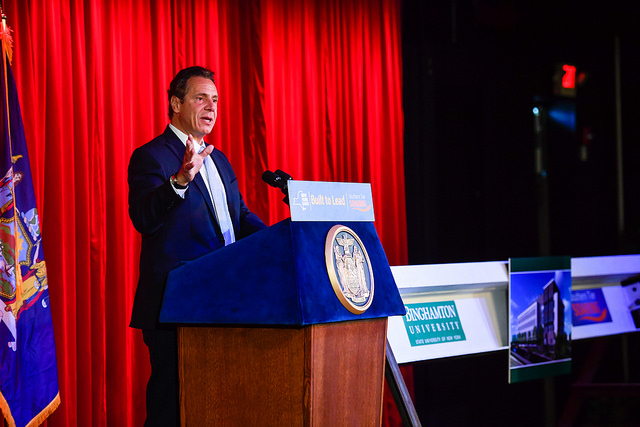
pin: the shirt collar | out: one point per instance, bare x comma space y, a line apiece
181, 135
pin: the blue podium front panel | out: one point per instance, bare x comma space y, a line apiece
277, 276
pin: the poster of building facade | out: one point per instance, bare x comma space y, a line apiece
540, 318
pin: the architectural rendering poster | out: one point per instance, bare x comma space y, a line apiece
539, 317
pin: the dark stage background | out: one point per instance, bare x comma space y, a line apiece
473, 71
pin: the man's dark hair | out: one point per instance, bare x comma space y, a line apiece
178, 86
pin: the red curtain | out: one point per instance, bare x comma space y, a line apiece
311, 87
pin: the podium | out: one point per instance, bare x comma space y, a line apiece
265, 339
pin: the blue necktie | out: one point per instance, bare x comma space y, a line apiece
219, 197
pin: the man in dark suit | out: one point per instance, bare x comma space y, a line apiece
185, 202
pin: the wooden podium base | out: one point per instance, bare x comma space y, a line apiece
318, 375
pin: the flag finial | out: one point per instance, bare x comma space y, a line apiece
5, 36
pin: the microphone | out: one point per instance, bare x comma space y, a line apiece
278, 179
273, 179
284, 176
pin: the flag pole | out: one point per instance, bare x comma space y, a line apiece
6, 45
5, 35
6, 409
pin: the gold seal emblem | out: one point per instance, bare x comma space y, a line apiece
349, 269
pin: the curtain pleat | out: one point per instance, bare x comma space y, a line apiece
310, 87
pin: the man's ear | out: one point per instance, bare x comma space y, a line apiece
175, 104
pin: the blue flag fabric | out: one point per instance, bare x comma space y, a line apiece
28, 370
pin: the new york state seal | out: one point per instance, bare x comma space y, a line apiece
349, 269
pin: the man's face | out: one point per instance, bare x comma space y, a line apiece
197, 113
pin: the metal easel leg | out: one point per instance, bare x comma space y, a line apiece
399, 391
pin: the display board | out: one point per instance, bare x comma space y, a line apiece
475, 295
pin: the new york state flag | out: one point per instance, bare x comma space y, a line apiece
28, 371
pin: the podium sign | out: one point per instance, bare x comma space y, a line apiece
330, 201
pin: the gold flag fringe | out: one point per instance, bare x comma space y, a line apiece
37, 420
44, 414
6, 412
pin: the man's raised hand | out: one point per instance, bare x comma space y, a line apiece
192, 161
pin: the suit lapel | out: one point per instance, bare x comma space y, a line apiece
177, 147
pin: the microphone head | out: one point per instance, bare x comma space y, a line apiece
283, 175
272, 179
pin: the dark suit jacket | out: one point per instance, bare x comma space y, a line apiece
175, 229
